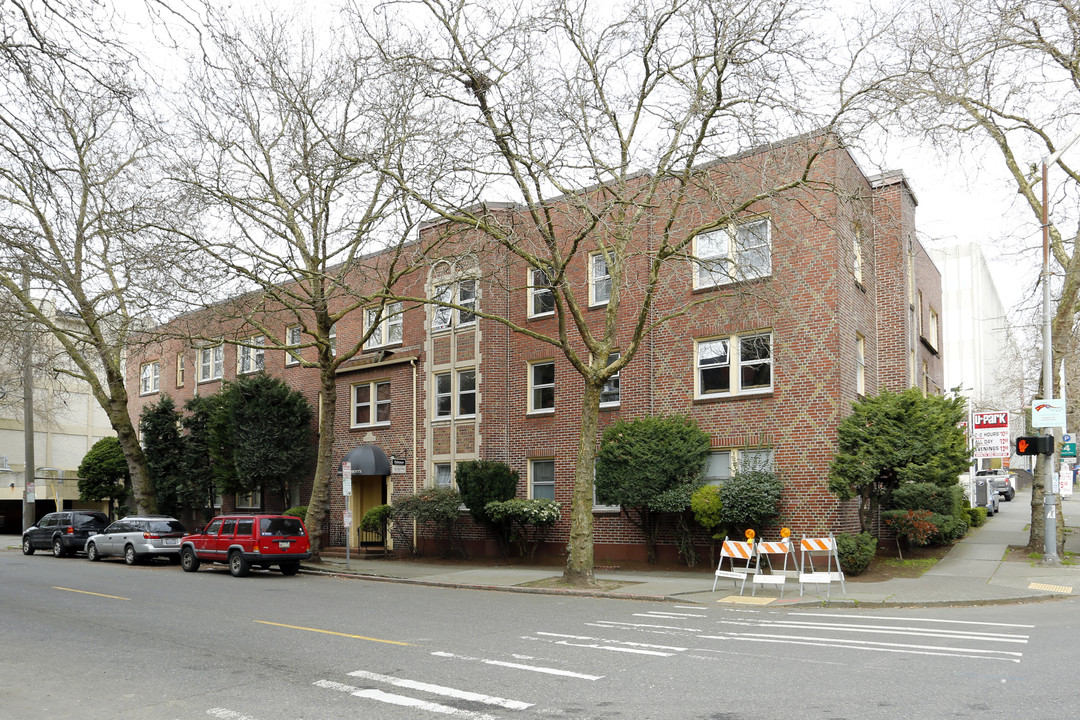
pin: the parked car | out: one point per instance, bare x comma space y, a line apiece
65, 532
244, 541
1003, 482
137, 538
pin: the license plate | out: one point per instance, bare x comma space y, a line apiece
172, 541
284, 545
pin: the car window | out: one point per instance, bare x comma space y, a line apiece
63, 518
164, 526
244, 527
281, 526
212, 528
100, 519
115, 527
48, 521
229, 527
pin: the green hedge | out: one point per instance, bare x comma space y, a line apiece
976, 516
855, 551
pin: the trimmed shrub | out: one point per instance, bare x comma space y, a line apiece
855, 551
528, 520
438, 507
928, 496
976, 516
299, 511
750, 500
913, 526
949, 529
707, 506
375, 519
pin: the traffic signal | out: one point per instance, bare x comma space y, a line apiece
1035, 445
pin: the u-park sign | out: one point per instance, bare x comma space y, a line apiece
990, 434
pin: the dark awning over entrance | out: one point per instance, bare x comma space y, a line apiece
368, 460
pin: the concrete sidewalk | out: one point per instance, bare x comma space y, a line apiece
973, 572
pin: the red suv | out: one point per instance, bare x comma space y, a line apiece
246, 540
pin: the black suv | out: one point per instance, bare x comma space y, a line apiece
65, 532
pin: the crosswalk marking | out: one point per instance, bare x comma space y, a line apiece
605, 644
441, 690
520, 666
870, 645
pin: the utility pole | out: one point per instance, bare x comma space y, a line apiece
29, 507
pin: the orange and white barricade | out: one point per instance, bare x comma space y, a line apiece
770, 550
808, 547
739, 555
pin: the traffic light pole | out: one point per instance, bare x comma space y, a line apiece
1050, 556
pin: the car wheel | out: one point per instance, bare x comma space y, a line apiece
189, 561
27, 546
1010, 495
238, 566
129, 555
289, 568
58, 548
92, 553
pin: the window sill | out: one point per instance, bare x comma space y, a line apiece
606, 509
209, 380
540, 413
541, 316
749, 395
447, 420
367, 426
610, 406
149, 392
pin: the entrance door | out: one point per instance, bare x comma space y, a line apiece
368, 491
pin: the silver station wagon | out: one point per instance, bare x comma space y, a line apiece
137, 538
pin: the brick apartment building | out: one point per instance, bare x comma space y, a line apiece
835, 299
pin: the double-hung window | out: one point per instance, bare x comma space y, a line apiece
541, 296
722, 464
211, 362
542, 386
609, 394
542, 479
180, 362
371, 403
733, 365
332, 338
292, 339
599, 280
444, 475
860, 364
465, 393
731, 254
461, 293
386, 325
250, 357
149, 377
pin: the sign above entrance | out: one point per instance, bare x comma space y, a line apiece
397, 467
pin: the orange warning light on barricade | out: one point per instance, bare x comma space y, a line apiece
785, 532
750, 534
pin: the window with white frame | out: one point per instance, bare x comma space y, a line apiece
932, 329
250, 356
332, 338
542, 479
466, 393
444, 395
734, 253
860, 364
542, 386
856, 253
371, 403
149, 377
180, 367
462, 293
599, 280
386, 325
722, 464
293, 338
211, 362
444, 475
541, 296
609, 394
734, 365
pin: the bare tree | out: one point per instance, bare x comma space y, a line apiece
604, 129
285, 140
76, 205
1001, 76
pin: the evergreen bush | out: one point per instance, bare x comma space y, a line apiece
855, 552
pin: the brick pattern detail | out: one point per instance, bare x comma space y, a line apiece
440, 440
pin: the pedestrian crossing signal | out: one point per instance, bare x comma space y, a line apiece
1035, 445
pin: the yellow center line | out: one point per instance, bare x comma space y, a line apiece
84, 592
331, 632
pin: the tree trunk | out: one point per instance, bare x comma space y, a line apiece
579, 562
141, 490
324, 465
